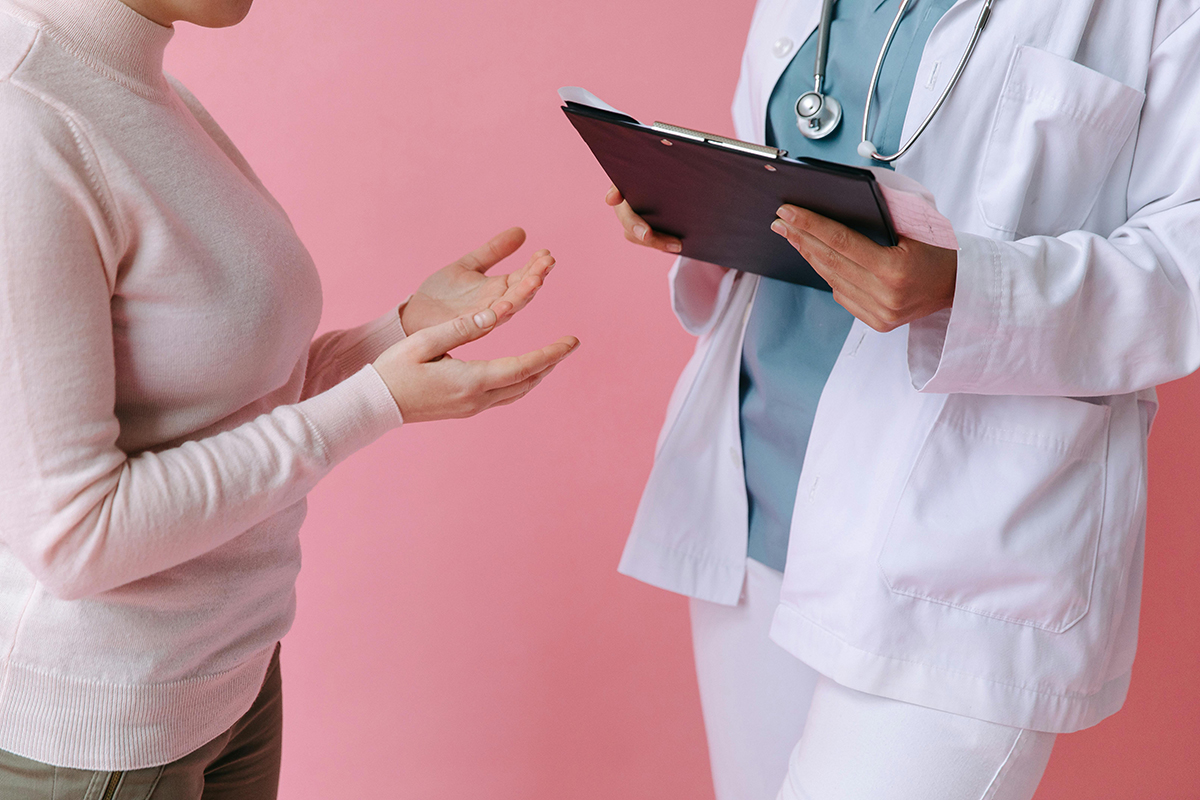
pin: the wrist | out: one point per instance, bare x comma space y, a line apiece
415, 314
405, 324
951, 281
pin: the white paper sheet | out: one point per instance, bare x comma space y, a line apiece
577, 94
913, 211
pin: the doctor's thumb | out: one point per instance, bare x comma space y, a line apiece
438, 340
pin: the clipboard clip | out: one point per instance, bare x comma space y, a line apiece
736, 145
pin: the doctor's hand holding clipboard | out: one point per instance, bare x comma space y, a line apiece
885, 287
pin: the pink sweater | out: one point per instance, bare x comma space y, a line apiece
164, 409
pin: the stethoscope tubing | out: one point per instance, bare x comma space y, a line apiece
822, 59
823, 45
980, 23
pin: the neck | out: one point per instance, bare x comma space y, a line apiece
153, 11
205, 13
109, 35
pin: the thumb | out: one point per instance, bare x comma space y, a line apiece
500, 247
434, 342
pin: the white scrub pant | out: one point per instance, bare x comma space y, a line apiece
773, 721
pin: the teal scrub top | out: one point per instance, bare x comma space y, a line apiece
795, 333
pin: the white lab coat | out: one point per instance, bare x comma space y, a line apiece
968, 528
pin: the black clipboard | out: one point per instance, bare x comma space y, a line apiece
719, 195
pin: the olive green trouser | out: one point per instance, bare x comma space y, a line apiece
240, 764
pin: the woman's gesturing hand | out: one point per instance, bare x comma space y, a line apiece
428, 384
636, 229
885, 287
464, 287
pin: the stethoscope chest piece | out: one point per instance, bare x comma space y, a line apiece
817, 114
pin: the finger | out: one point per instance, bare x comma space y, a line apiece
516, 298
835, 235
434, 342
500, 247
519, 293
840, 274
539, 266
638, 232
510, 394
614, 196
518, 274
507, 402
503, 309
823, 258
871, 288
541, 263
506, 371
666, 246
628, 217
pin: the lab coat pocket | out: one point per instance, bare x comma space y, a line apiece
1057, 131
1001, 514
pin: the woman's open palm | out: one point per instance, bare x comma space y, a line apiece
464, 287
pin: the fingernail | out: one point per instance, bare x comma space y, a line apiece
485, 318
674, 247
786, 213
640, 231
779, 228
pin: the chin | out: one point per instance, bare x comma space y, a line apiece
219, 13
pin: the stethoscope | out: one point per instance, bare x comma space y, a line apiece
819, 114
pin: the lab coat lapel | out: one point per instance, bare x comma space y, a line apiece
783, 30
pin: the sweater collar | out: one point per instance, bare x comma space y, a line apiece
109, 35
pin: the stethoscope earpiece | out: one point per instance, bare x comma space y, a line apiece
867, 149
817, 114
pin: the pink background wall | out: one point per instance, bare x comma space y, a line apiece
462, 630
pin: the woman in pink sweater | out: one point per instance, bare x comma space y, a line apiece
166, 410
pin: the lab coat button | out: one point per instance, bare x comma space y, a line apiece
733, 457
782, 47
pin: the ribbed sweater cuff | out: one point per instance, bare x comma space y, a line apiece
370, 340
351, 415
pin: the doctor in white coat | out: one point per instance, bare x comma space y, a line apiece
964, 560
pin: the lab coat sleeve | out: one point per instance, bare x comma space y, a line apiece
699, 292
1080, 314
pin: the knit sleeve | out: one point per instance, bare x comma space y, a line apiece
82, 515
336, 355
